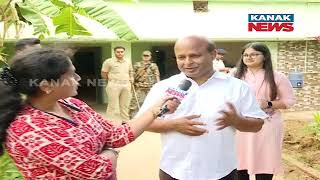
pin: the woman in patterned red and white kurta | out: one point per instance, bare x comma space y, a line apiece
54, 136
259, 153
47, 147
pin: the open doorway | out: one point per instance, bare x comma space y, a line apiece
164, 57
87, 64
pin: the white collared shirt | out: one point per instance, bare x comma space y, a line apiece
210, 156
218, 64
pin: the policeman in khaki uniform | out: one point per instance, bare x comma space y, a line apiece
119, 74
146, 74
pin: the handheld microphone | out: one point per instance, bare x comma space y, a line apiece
180, 92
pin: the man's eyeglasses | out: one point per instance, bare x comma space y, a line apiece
254, 55
146, 55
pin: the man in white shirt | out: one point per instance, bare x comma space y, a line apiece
201, 146
218, 64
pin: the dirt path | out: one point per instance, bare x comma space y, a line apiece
140, 161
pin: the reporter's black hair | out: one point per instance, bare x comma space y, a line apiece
22, 43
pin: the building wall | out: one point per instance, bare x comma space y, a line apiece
304, 56
139, 47
233, 49
225, 20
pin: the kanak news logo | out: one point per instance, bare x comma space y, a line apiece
177, 93
270, 22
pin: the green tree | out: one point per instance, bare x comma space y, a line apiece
63, 14
8, 16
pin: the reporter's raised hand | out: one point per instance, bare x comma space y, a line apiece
171, 103
187, 125
229, 117
263, 103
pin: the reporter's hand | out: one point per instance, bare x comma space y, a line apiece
187, 125
112, 156
171, 102
172, 105
229, 117
263, 104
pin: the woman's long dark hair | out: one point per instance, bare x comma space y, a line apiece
267, 66
23, 77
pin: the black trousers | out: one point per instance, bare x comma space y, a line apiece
243, 175
165, 176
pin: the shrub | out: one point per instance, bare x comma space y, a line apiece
315, 126
8, 170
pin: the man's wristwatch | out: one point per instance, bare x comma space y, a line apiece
269, 104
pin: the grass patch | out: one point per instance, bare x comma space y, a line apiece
8, 170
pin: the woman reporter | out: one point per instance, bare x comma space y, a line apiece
51, 135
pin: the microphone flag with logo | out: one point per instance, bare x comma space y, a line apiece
180, 92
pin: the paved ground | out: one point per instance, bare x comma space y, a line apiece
140, 159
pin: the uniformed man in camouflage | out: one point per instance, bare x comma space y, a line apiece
146, 74
119, 74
